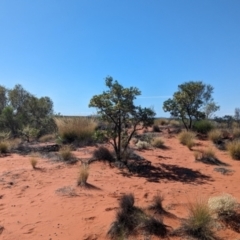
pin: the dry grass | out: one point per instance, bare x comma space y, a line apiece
215, 135
80, 129
236, 132
208, 153
83, 175
223, 205
187, 139
47, 138
234, 149
199, 222
161, 121
143, 145
4, 147
33, 162
65, 153
157, 143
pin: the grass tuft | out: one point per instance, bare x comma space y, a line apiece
83, 175
34, 162
215, 135
158, 143
187, 139
234, 149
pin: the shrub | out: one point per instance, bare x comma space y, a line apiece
158, 143
47, 138
161, 121
187, 139
203, 126
215, 135
236, 132
223, 205
83, 175
65, 153
76, 129
208, 153
143, 145
103, 153
234, 149
199, 222
4, 147
5, 135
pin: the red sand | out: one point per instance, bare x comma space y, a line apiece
47, 204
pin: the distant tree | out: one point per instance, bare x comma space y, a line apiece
237, 115
210, 108
19, 110
189, 102
116, 107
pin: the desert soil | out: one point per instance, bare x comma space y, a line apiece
46, 203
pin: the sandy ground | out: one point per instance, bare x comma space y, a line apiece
47, 204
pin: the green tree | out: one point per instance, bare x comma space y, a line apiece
189, 102
116, 107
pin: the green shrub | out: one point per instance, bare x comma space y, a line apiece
76, 129
187, 139
199, 222
215, 135
157, 142
203, 126
234, 149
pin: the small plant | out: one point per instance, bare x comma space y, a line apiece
215, 135
83, 175
208, 153
143, 145
4, 147
65, 153
223, 205
234, 149
203, 126
199, 222
197, 155
34, 162
187, 139
158, 143
103, 153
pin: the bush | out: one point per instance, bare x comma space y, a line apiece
199, 222
203, 126
83, 175
143, 145
103, 153
65, 153
187, 139
215, 135
234, 149
158, 143
156, 128
76, 129
4, 147
223, 205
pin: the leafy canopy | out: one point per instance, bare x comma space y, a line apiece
193, 100
116, 107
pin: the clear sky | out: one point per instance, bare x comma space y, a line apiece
64, 49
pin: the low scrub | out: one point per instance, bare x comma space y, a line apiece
203, 126
4, 147
215, 135
102, 153
234, 149
223, 205
199, 223
187, 139
161, 121
66, 153
76, 129
143, 145
47, 138
157, 143
236, 132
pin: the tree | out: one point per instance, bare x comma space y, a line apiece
237, 115
210, 108
116, 107
19, 110
189, 102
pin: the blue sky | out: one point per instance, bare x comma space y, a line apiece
65, 49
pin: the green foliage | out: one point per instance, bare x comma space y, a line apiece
203, 126
20, 109
116, 107
188, 102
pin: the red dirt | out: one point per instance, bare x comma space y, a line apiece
35, 205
